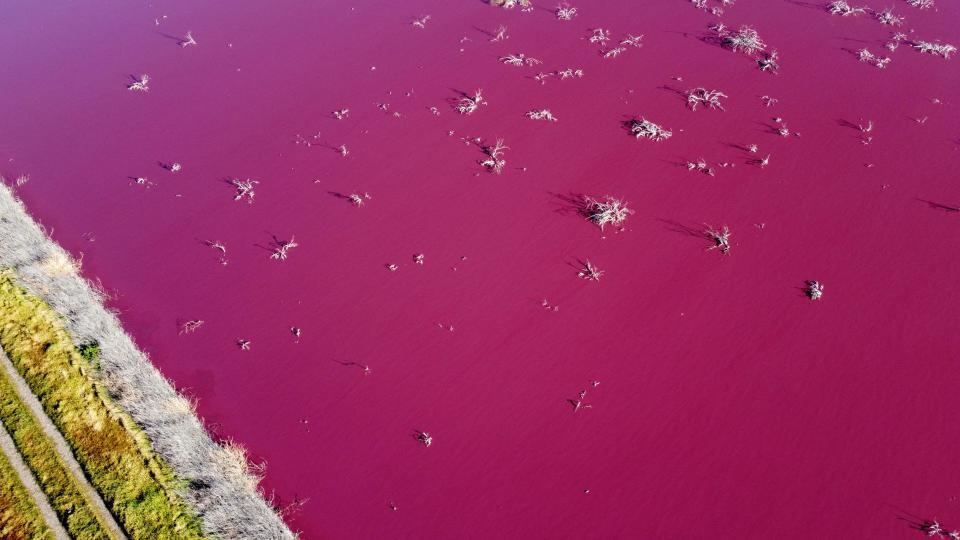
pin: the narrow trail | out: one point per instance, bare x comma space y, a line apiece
26, 478
61, 447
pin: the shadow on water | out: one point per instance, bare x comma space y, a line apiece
940, 207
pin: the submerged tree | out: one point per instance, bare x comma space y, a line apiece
190, 326
541, 114
746, 40
939, 49
244, 189
721, 239
494, 161
609, 210
700, 165
814, 290
841, 7
510, 4
922, 4
569, 73
590, 272
519, 60
357, 200
614, 52
424, 438
645, 129
188, 40
469, 104
140, 85
565, 12
282, 248
600, 35
879, 62
887, 17
632, 41
217, 245
710, 98
769, 62
421, 22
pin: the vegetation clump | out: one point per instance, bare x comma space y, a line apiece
610, 210
841, 7
939, 49
645, 129
746, 40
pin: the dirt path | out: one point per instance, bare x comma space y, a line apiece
26, 478
61, 447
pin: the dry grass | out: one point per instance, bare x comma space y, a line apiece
20, 518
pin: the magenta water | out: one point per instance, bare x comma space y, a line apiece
729, 405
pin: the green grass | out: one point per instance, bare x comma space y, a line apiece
136, 484
20, 518
51, 473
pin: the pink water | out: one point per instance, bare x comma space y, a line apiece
729, 405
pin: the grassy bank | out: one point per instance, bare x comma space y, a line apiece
51, 473
19, 517
138, 487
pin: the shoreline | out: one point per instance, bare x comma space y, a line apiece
218, 483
